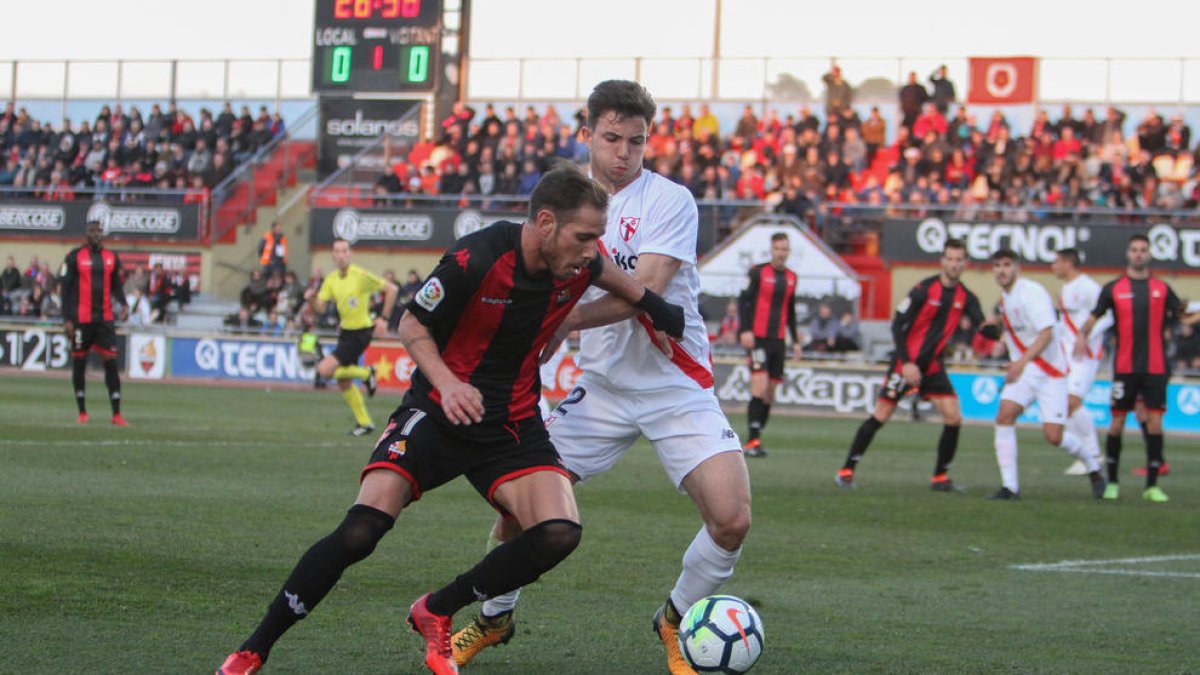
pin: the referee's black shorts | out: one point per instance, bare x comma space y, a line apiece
351, 344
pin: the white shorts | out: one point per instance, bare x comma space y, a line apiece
1081, 377
595, 424
1036, 385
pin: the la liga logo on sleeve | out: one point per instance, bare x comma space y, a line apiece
431, 294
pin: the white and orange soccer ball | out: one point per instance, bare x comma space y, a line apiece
721, 634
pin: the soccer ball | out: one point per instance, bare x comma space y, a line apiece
721, 634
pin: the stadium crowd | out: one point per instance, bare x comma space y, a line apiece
165, 149
799, 162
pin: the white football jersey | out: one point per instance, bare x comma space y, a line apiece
1028, 310
651, 215
1075, 303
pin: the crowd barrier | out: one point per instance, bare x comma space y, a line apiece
808, 386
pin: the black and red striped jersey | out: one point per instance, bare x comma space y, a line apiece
1142, 310
91, 282
927, 318
491, 319
767, 305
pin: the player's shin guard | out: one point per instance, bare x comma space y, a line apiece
509, 566
505, 602
79, 381
947, 446
317, 572
1075, 447
755, 414
1006, 456
112, 379
1112, 449
1081, 424
706, 566
766, 414
862, 439
1154, 458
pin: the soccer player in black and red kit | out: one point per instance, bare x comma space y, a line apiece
1143, 308
476, 330
767, 308
91, 284
922, 326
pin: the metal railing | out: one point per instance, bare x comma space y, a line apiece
243, 177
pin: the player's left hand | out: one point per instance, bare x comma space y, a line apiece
1013, 373
663, 342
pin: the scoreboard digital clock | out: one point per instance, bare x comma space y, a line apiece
376, 46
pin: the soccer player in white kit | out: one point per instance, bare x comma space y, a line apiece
1037, 372
1075, 302
630, 388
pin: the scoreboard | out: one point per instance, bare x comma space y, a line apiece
376, 46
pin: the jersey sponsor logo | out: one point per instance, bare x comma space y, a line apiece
625, 262
628, 226
495, 301
431, 294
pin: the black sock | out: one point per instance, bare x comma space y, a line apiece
1112, 451
947, 446
754, 414
1145, 431
112, 378
317, 572
509, 566
79, 381
1154, 458
766, 414
862, 439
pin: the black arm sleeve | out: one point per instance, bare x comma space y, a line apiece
903, 318
69, 276
1104, 303
791, 318
116, 281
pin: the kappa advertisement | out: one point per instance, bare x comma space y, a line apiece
1102, 244
124, 221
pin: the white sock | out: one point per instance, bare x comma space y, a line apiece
1074, 446
500, 604
706, 566
1084, 427
1006, 456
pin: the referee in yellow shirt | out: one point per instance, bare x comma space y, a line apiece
350, 286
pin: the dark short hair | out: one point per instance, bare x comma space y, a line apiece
337, 239
1070, 254
1139, 237
624, 97
1005, 254
955, 244
564, 189
780, 236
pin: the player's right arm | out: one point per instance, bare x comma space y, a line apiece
902, 321
462, 403
69, 276
746, 305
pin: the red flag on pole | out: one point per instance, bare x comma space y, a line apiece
1003, 80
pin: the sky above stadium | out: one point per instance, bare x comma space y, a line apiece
237, 29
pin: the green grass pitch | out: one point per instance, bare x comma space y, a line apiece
155, 549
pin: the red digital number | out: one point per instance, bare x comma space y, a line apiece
341, 9
410, 8
391, 9
377, 57
362, 9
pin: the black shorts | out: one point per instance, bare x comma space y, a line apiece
933, 385
428, 452
768, 354
351, 344
1128, 388
100, 337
